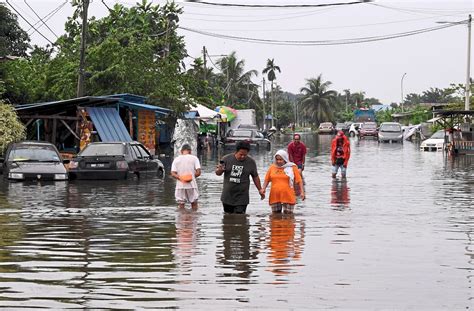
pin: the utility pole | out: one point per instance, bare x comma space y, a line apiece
82, 60
205, 60
264, 110
273, 108
468, 75
401, 88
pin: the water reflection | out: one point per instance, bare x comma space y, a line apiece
236, 255
285, 244
187, 232
340, 194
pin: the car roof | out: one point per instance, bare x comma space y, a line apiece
391, 123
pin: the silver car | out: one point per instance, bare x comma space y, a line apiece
390, 132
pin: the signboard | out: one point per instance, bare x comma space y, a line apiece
146, 129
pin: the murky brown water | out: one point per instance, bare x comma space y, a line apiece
397, 235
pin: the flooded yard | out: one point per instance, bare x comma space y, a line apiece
398, 234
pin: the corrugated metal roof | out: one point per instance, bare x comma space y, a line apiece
108, 124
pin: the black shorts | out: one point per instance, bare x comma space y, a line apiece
234, 209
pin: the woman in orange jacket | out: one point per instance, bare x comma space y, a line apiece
340, 154
283, 175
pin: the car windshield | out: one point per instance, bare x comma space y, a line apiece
103, 149
242, 134
369, 126
438, 135
326, 124
390, 128
34, 154
340, 125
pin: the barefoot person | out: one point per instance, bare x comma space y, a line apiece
340, 154
237, 168
185, 169
283, 175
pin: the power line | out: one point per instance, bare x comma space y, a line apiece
49, 15
278, 6
332, 27
261, 20
41, 19
29, 23
319, 42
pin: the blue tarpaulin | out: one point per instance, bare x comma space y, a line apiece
108, 124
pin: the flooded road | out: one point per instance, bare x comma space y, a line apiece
397, 234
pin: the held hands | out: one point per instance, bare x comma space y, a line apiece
262, 193
219, 169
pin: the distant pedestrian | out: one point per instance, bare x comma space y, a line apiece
340, 154
237, 169
283, 175
185, 169
297, 152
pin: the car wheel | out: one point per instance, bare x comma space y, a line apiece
161, 173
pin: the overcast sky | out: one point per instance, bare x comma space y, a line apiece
433, 59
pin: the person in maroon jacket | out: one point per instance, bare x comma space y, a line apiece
297, 152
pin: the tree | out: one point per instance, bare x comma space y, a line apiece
318, 100
270, 70
436, 95
236, 82
13, 40
11, 129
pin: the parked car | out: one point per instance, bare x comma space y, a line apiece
368, 129
390, 132
342, 127
115, 160
32, 160
436, 142
326, 128
354, 129
254, 137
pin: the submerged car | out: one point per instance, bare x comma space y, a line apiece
390, 132
255, 138
115, 160
354, 129
368, 129
32, 160
436, 142
326, 128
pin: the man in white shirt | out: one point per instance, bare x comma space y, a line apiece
185, 169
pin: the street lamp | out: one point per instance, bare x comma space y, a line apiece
401, 87
468, 74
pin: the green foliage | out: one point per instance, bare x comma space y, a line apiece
318, 101
11, 129
13, 39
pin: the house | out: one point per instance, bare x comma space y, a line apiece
71, 124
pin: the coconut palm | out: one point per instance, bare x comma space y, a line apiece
317, 101
271, 75
236, 81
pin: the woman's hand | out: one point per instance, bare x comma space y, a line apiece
303, 196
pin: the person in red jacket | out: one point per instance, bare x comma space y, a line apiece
340, 154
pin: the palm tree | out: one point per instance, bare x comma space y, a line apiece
270, 71
317, 99
237, 83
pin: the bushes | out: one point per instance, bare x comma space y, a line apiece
11, 129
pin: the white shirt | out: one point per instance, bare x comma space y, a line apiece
183, 165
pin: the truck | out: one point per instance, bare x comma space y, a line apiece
245, 118
362, 115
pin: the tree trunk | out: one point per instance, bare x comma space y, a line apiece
273, 108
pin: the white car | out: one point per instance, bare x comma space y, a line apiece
436, 142
354, 129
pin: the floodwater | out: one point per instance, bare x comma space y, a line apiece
398, 234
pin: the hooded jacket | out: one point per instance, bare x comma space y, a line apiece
346, 147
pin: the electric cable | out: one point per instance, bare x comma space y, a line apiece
48, 16
320, 42
278, 6
41, 19
29, 23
